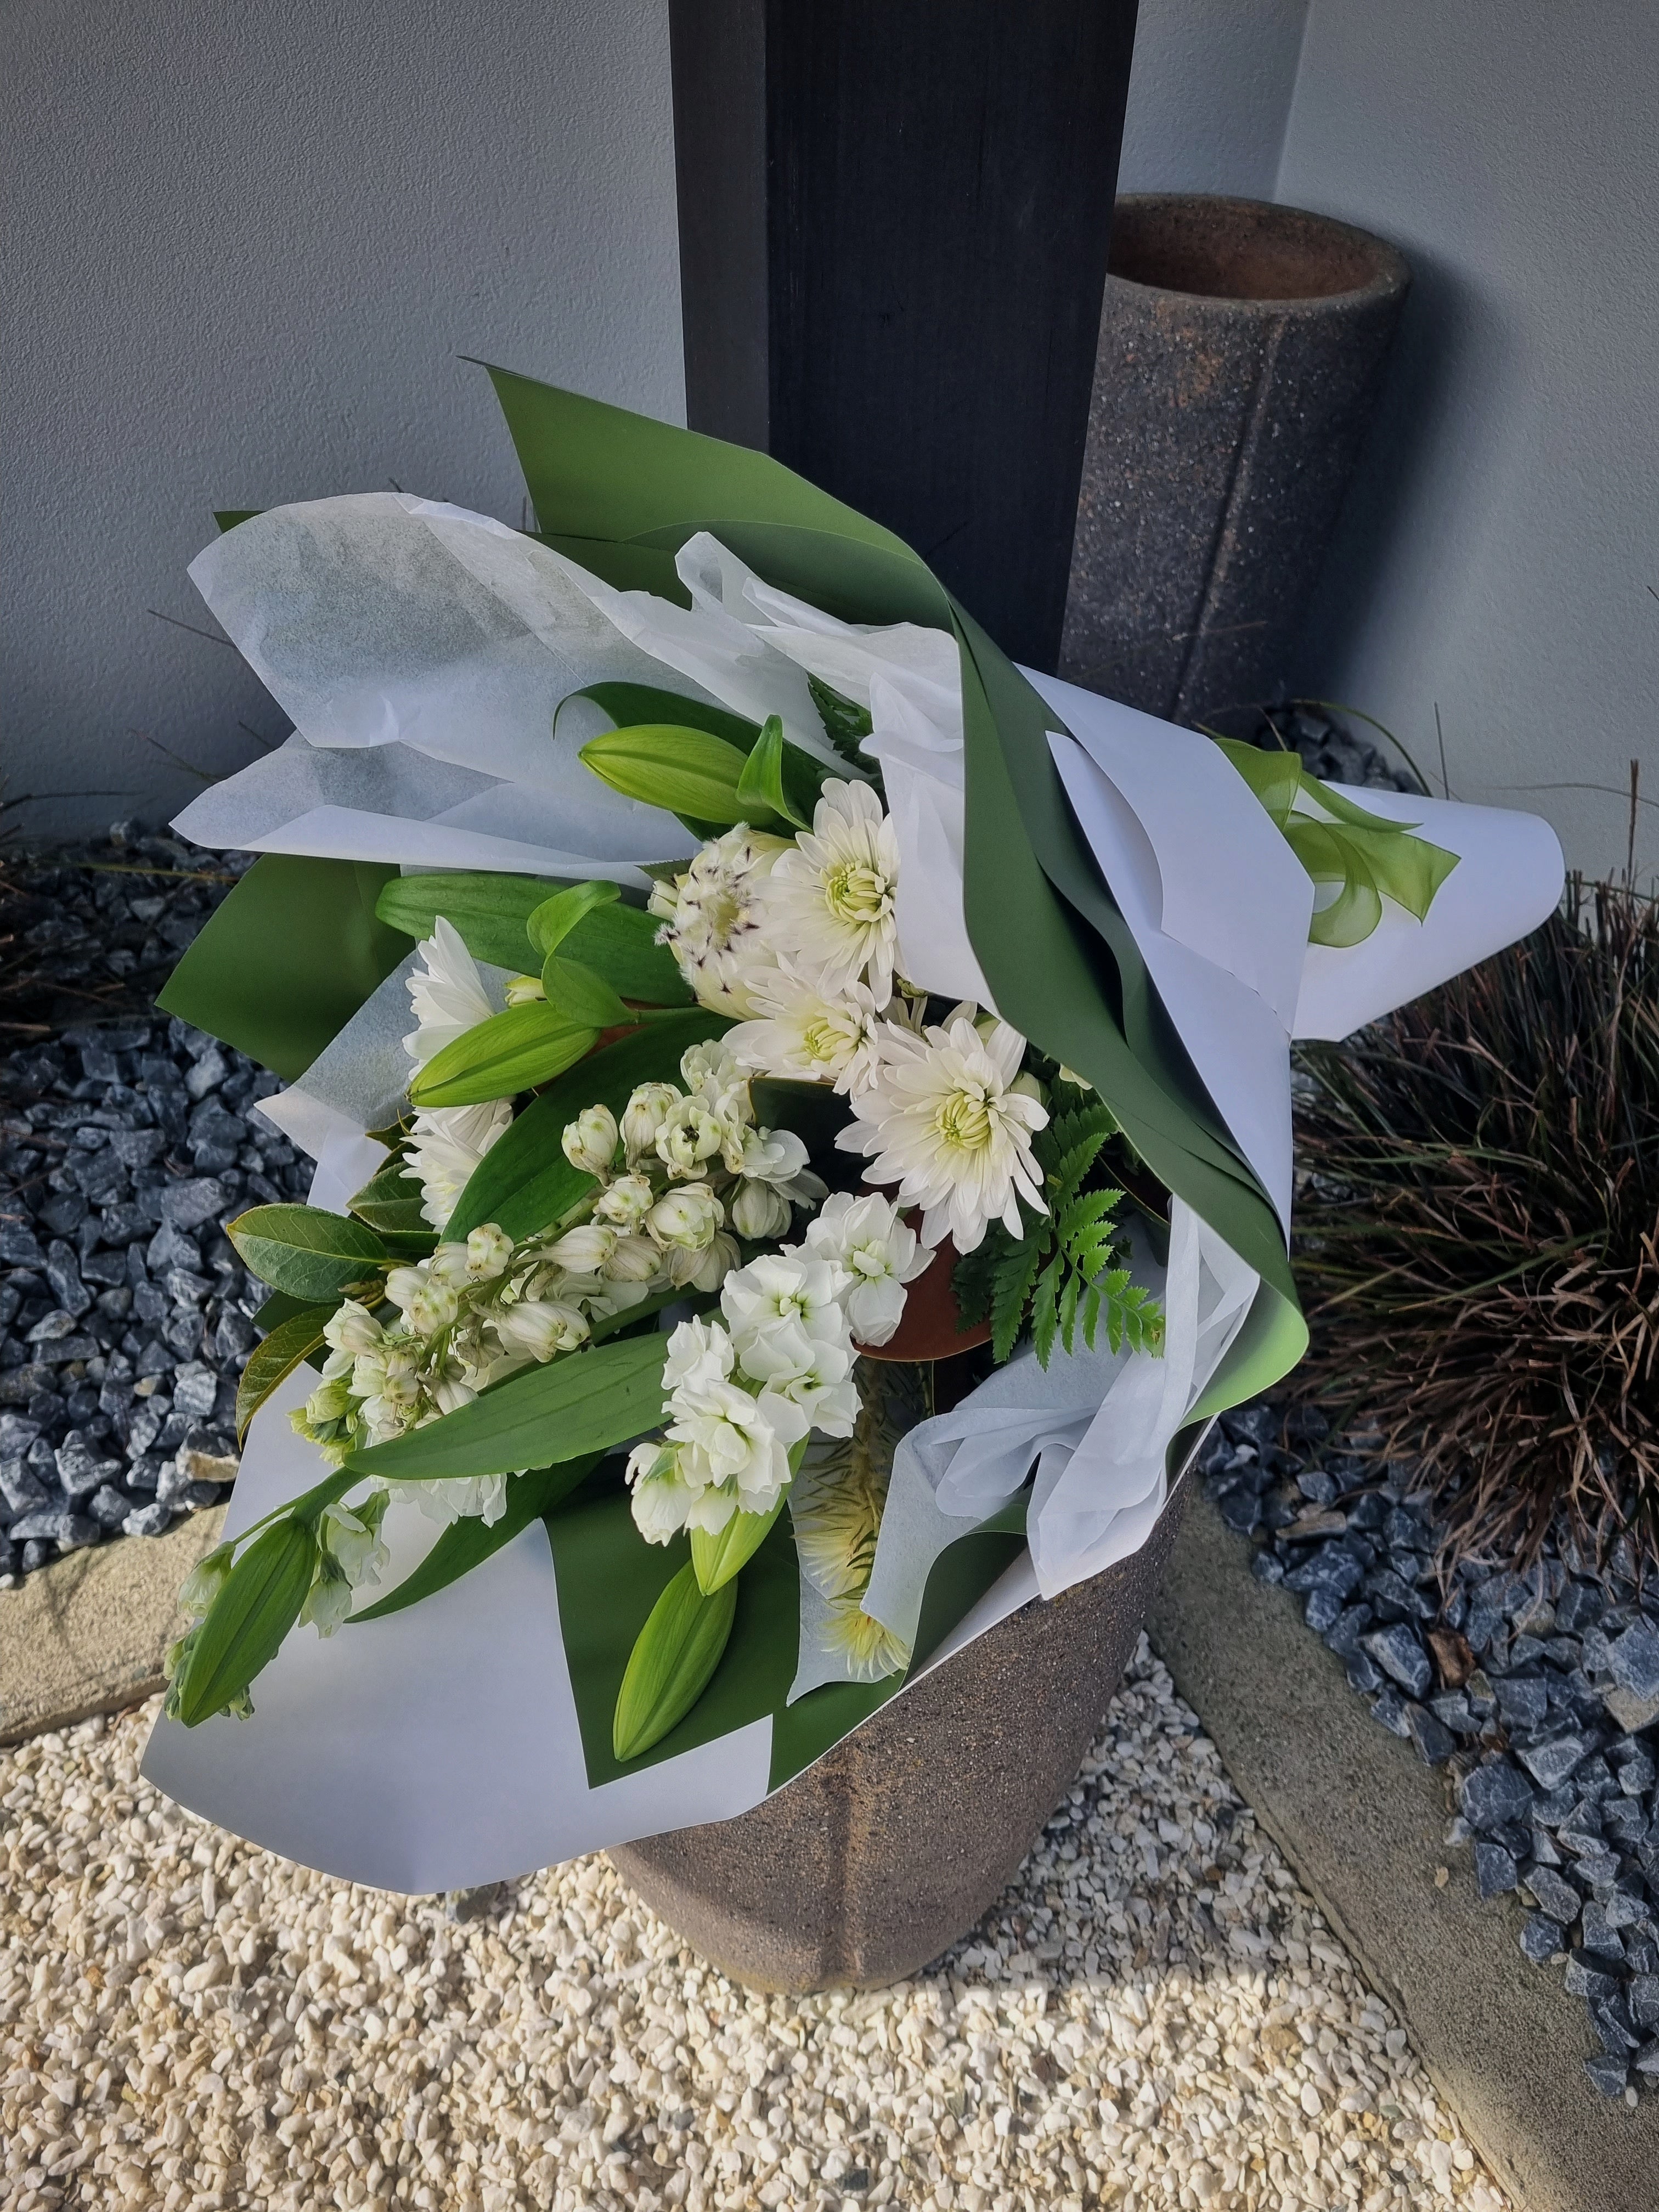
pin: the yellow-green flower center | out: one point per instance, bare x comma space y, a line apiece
965, 1120
855, 892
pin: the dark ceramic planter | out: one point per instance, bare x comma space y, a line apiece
877, 1859
1241, 347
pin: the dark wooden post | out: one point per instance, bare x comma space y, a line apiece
893, 218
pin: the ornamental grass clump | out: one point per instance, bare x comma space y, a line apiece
1479, 1232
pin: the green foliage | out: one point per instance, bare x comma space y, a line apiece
1065, 1272
493, 914
243, 1633
511, 1052
278, 1356
845, 722
310, 1254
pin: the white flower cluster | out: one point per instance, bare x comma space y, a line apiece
743, 1391
801, 939
448, 997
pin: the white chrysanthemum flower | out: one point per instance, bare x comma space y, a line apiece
866, 1238
803, 1035
829, 902
947, 1122
871, 1651
446, 993
713, 923
787, 1285
447, 1145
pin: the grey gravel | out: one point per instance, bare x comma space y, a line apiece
126, 1143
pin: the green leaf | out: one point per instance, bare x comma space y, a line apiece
492, 914
1045, 1311
629, 704
1016, 1273
761, 786
672, 765
390, 1202
845, 722
511, 1052
310, 1254
676, 1652
251, 1614
288, 959
525, 1182
278, 1356
576, 993
552, 921
467, 1543
1068, 1316
279, 1308
584, 1403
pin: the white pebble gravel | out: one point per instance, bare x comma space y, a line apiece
1153, 2015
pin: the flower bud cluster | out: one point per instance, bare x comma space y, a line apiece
743, 1391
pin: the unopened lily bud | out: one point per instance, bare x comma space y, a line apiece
351, 1329
523, 990
758, 1210
626, 1202
488, 1252
634, 1260
590, 1142
644, 1115
686, 1217
584, 1251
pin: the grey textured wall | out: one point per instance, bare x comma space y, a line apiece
244, 247
1209, 95
1496, 554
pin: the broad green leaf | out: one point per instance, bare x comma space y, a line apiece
279, 1308
677, 1651
525, 1182
390, 1202
511, 1052
278, 1356
671, 765
553, 920
717, 1558
628, 704
584, 1403
288, 959
468, 1542
301, 1249
492, 914
251, 1614
577, 994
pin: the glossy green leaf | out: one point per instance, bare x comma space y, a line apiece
511, 1052
251, 1614
671, 765
492, 914
584, 1403
305, 1251
676, 1652
276, 1357
390, 1202
525, 1182
468, 1542
552, 921
578, 994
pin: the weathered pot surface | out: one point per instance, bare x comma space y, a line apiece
877, 1858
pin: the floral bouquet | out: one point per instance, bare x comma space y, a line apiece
801, 1110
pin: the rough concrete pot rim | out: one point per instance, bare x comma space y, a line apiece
1293, 230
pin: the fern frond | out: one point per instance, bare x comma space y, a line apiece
1016, 1273
1044, 1312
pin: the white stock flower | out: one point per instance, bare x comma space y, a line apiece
446, 993
829, 900
759, 1212
803, 1035
537, 1329
446, 1145
647, 1108
590, 1142
946, 1120
729, 1439
778, 1157
625, 1202
662, 1499
699, 1353
866, 1238
715, 929
812, 1372
785, 1286
686, 1218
